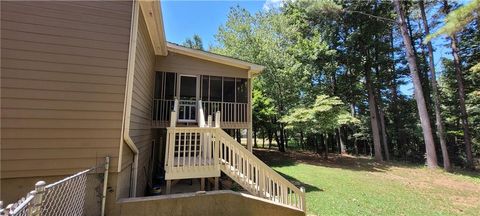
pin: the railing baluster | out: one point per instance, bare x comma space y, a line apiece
190, 150
195, 153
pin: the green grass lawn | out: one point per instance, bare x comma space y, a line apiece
358, 186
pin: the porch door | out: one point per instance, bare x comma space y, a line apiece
188, 96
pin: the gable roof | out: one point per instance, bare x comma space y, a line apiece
253, 69
151, 10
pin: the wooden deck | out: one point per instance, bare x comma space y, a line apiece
207, 150
233, 115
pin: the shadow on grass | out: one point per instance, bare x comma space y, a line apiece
474, 175
298, 183
278, 159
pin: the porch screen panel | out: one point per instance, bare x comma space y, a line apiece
242, 91
169, 86
159, 77
242, 98
205, 87
164, 94
215, 88
215, 95
229, 97
228, 89
205, 95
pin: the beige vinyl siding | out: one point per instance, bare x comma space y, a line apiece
184, 64
142, 95
62, 85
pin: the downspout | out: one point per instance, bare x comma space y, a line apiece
128, 97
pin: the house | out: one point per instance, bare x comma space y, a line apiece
85, 80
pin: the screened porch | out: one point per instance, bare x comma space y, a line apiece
229, 95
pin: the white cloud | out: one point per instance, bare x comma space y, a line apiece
271, 4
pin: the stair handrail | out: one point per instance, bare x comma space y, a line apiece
264, 167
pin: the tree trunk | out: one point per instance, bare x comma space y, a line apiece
285, 135
370, 148
355, 146
436, 96
239, 135
381, 116
461, 95
342, 141
263, 139
373, 110
384, 133
275, 135
255, 137
281, 145
270, 138
301, 140
337, 141
424, 76
325, 143
365, 147
394, 99
422, 108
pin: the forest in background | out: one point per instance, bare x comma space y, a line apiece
335, 70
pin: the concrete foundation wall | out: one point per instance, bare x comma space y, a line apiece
211, 203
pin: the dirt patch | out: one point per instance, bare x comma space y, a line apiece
465, 201
457, 185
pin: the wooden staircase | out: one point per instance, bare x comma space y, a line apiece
205, 151
255, 176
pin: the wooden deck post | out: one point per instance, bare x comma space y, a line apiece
209, 121
249, 139
216, 183
202, 184
169, 187
217, 119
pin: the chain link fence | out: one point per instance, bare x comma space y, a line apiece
79, 194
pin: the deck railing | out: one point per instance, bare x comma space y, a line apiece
233, 114
162, 112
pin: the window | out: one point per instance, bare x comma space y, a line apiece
228, 89
242, 90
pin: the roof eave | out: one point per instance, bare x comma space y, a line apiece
153, 18
253, 69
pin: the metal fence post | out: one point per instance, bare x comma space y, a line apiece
9, 209
2, 210
105, 181
38, 198
31, 207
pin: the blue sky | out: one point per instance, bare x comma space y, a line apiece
182, 19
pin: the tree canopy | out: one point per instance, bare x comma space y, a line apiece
336, 73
